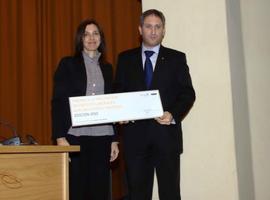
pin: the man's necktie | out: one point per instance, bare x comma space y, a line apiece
148, 68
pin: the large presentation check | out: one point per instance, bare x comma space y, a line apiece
107, 108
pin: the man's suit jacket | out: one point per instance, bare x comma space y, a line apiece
171, 77
70, 80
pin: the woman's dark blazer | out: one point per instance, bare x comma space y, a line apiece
70, 80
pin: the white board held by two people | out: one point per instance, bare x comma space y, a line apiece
110, 108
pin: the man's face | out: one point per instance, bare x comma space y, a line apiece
152, 31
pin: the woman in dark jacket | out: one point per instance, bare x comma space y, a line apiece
85, 73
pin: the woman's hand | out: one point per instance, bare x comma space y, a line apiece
62, 141
125, 122
114, 151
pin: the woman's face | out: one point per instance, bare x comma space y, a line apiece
91, 38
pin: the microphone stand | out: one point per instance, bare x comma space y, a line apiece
15, 140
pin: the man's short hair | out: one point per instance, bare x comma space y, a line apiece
155, 12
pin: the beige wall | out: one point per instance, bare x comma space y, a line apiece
227, 132
256, 42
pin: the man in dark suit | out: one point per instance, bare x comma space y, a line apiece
155, 144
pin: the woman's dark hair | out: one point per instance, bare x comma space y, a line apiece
79, 39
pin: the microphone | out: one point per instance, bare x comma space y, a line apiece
31, 139
15, 140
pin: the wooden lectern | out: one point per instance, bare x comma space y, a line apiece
36, 172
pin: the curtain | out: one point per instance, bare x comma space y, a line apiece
34, 36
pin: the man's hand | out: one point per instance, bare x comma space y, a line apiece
165, 119
114, 151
